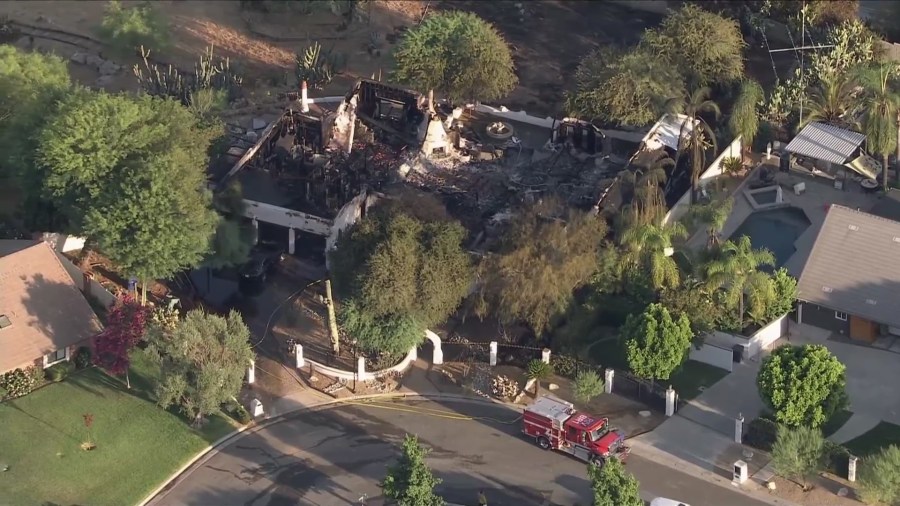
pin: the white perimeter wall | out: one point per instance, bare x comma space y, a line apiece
714, 355
760, 340
708, 176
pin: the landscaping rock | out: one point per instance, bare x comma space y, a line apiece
103, 81
259, 123
93, 60
553, 386
79, 57
108, 68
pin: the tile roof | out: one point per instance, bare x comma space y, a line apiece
854, 266
825, 142
46, 309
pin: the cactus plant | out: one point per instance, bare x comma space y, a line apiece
318, 68
209, 73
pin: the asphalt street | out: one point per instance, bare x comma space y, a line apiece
337, 456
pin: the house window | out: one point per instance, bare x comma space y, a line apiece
840, 316
55, 357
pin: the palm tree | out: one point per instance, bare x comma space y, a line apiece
744, 119
538, 370
736, 269
648, 203
831, 102
880, 111
713, 215
692, 104
648, 247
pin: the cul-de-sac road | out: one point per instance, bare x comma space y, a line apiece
337, 456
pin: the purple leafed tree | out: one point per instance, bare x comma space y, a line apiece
125, 327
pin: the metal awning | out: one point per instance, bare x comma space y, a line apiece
825, 142
865, 166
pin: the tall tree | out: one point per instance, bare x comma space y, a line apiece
655, 343
648, 248
202, 361
802, 385
457, 54
130, 174
547, 251
623, 86
613, 485
736, 269
231, 244
692, 104
707, 46
125, 326
881, 111
409, 482
797, 453
831, 102
713, 216
744, 119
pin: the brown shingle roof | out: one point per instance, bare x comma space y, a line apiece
45, 307
854, 266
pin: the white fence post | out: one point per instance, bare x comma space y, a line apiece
851, 469
739, 428
670, 401
493, 353
360, 368
292, 240
298, 354
608, 386
251, 373
545, 355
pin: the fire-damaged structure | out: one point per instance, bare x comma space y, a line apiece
316, 167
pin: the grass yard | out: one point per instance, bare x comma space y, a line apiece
884, 434
690, 380
138, 444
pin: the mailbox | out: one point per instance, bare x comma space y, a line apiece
740, 472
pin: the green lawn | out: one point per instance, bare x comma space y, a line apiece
884, 434
692, 376
138, 444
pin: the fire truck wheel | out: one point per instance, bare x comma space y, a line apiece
543, 442
598, 461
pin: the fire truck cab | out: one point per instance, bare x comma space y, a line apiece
555, 424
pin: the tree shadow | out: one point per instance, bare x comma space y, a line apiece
51, 305
15, 405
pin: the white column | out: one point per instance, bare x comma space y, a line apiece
298, 354
438, 357
292, 239
799, 312
304, 98
493, 353
670, 401
545, 355
610, 374
251, 373
255, 231
851, 469
360, 368
739, 429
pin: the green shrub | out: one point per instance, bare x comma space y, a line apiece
879, 477
21, 382
564, 365
588, 385
82, 357
837, 459
126, 29
761, 434
240, 413
59, 372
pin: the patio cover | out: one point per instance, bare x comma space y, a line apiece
825, 142
665, 132
866, 166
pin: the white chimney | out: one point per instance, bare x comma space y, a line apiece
304, 98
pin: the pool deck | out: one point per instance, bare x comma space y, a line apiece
819, 195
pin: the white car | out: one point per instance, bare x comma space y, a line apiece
662, 501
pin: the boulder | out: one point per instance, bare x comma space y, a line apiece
103, 81
108, 68
79, 57
93, 60
259, 123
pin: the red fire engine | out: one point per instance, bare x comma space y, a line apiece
555, 424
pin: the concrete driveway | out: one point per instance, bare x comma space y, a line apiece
337, 456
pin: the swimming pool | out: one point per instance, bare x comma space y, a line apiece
775, 230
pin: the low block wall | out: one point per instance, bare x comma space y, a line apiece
714, 355
341, 374
760, 339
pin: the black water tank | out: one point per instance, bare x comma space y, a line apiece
737, 353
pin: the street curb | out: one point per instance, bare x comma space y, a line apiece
213, 448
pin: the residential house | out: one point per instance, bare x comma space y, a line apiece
850, 283
44, 318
